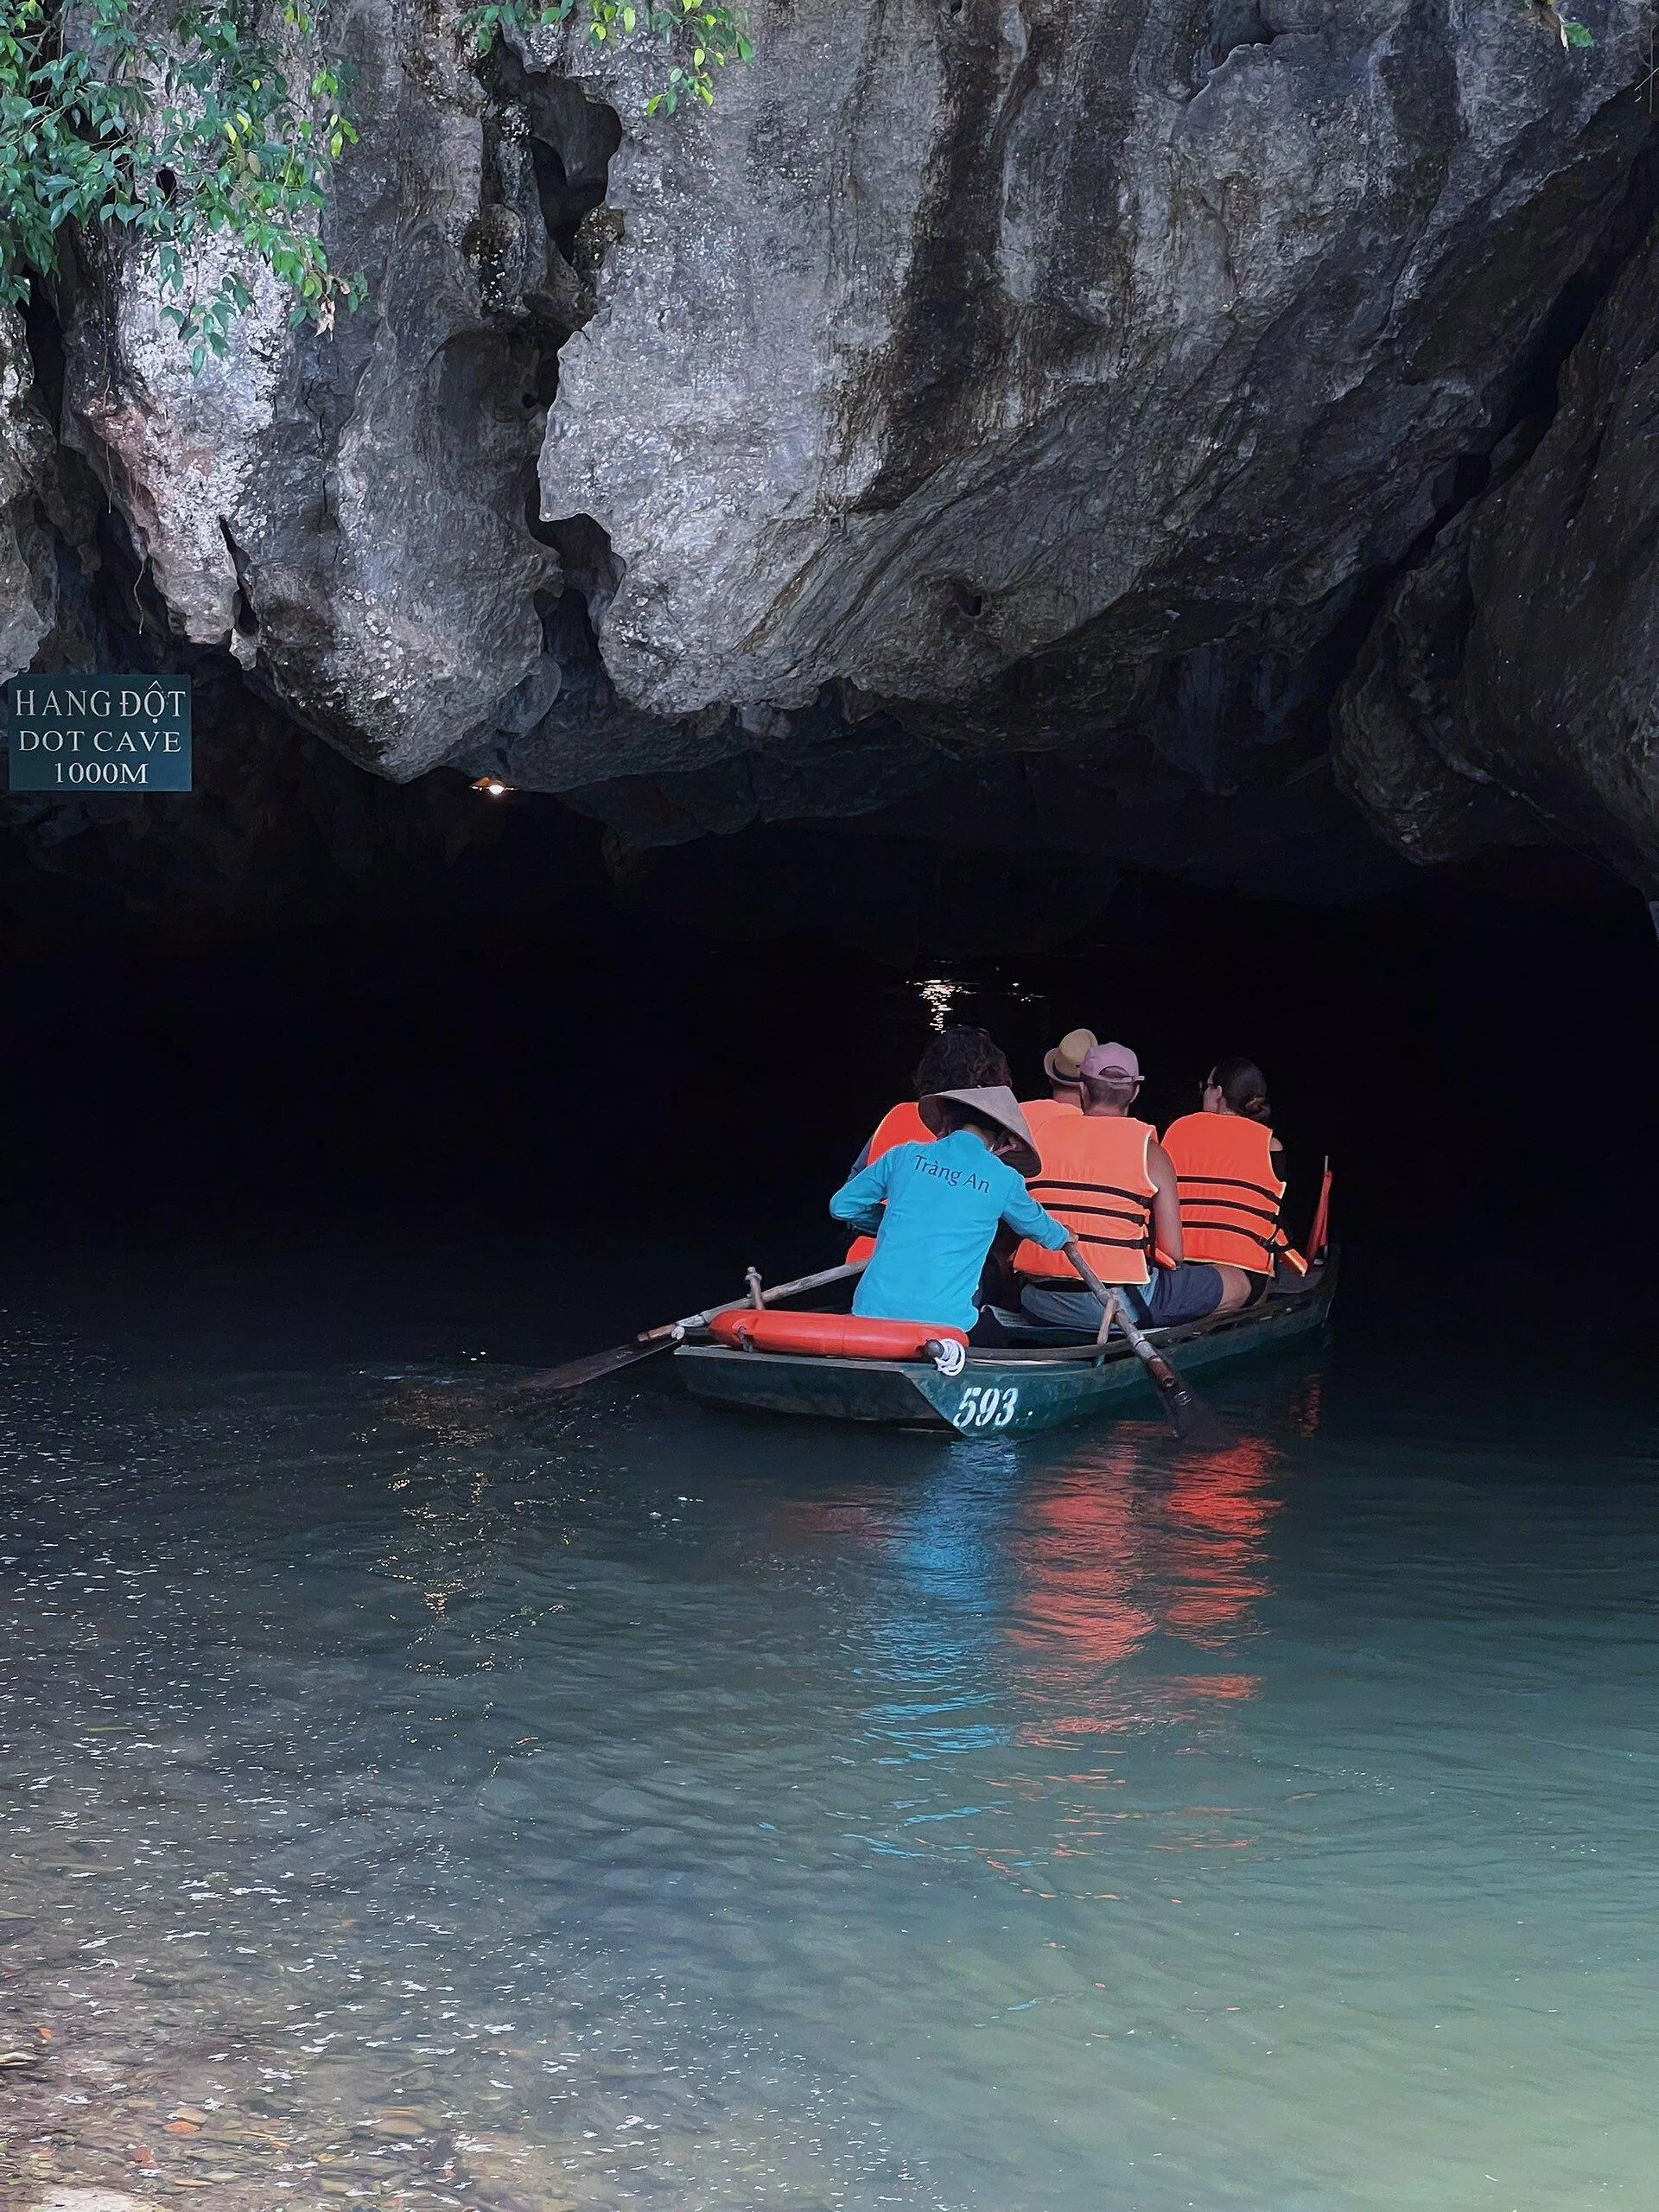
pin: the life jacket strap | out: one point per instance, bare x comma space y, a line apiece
1271, 1215
1139, 1199
1229, 1182
1230, 1229
1201, 1190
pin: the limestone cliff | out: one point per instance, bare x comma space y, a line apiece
1010, 424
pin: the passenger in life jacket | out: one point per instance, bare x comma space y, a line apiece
1226, 1166
934, 1208
1062, 1065
1107, 1178
960, 1058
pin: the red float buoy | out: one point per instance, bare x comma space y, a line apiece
835, 1336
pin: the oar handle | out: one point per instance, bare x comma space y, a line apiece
1115, 1308
767, 1298
1150, 1357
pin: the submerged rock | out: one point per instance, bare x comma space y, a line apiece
86, 2200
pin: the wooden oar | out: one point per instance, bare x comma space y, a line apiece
575, 1372
1187, 1413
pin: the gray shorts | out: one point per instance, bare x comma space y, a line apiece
1174, 1294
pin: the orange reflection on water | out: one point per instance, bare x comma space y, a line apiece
1114, 1550
1076, 1547
1217, 1513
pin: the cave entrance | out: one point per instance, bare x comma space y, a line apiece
508, 1038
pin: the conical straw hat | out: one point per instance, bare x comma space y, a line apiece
996, 1103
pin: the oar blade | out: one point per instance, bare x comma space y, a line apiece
1195, 1421
549, 1381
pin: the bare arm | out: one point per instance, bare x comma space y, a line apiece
1166, 1204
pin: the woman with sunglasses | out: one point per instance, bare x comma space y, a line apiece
1226, 1168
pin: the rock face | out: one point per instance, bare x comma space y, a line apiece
29, 583
346, 514
1048, 395
1510, 681
1095, 333
999, 424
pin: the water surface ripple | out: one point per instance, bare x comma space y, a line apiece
641, 1806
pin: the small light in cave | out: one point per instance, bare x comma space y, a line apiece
492, 786
936, 996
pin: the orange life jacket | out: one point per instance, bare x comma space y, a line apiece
1230, 1193
1044, 1109
1094, 1178
900, 1124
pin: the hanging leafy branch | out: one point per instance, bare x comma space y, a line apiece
173, 130
698, 36
178, 124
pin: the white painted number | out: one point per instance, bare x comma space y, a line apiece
993, 1408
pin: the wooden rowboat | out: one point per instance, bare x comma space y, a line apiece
1040, 1384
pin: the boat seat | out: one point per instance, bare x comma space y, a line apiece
1022, 1329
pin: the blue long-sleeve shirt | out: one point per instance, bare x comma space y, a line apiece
933, 1210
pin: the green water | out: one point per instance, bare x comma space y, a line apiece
645, 1806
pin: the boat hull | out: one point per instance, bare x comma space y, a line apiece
999, 1392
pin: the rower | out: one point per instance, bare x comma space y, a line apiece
1107, 1178
1226, 1165
960, 1058
934, 1208
1062, 1065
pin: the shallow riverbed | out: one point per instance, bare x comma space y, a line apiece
641, 1806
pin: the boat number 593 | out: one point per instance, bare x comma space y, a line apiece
987, 1408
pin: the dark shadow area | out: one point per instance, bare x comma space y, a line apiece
583, 1104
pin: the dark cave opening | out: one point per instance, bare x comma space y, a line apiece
518, 1052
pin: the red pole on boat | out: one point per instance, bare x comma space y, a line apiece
1319, 1236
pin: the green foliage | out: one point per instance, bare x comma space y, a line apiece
698, 36
175, 120
172, 129
1579, 34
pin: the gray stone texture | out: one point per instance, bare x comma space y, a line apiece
346, 513
1517, 671
1005, 424
28, 581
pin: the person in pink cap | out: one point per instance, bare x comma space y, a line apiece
1105, 1176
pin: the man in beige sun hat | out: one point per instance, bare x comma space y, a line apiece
933, 1209
1062, 1065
